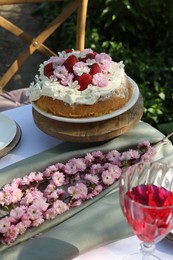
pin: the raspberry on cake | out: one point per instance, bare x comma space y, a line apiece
80, 84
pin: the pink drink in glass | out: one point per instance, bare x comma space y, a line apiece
147, 210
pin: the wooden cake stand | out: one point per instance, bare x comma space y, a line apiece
91, 132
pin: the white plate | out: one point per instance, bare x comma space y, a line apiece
8, 130
118, 112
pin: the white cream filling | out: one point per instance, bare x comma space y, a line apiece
44, 86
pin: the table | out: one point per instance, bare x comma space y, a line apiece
89, 228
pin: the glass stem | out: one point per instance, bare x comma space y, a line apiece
147, 250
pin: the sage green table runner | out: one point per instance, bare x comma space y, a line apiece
98, 221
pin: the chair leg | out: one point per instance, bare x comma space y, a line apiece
81, 24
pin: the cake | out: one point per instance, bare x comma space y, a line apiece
80, 84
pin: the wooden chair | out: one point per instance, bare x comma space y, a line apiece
37, 43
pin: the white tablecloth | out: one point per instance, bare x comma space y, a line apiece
33, 140
122, 248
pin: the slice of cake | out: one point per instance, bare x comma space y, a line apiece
82, 84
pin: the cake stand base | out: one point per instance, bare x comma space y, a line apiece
91, 132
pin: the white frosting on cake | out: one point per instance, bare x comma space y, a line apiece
44, 86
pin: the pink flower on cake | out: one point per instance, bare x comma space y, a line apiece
56, 60
67, 80
63, 75
104, 61
85, 52
60, 72
100, 80
80, 67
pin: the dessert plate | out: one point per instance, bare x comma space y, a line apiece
8, 130
118, 112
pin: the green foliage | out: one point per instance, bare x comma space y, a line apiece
141, 34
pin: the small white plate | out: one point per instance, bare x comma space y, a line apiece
126, 107
8, 130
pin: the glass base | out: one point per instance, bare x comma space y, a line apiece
139, 256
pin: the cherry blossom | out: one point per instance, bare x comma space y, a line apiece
40, 196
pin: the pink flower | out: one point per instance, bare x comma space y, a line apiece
80, 67
96, 169
67, 80
104, 61
26, 221
129, 155
58, 178
37, 222
74, 165
12, 194
100, 80
60, 72
16, 182
79, 191
108, 178
51, 213
31, 195
33, 212
17, 213
85, 52
35, 177
56, 60
113, 156
97, 190
11, 234
147, 157
76, 203
91, 178
114, 170
20, 227
89, 158
49, 189
2, 198
41, 204
60, 206
4, 225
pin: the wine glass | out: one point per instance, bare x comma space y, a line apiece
146, 199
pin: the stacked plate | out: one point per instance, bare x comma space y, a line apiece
10, 134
